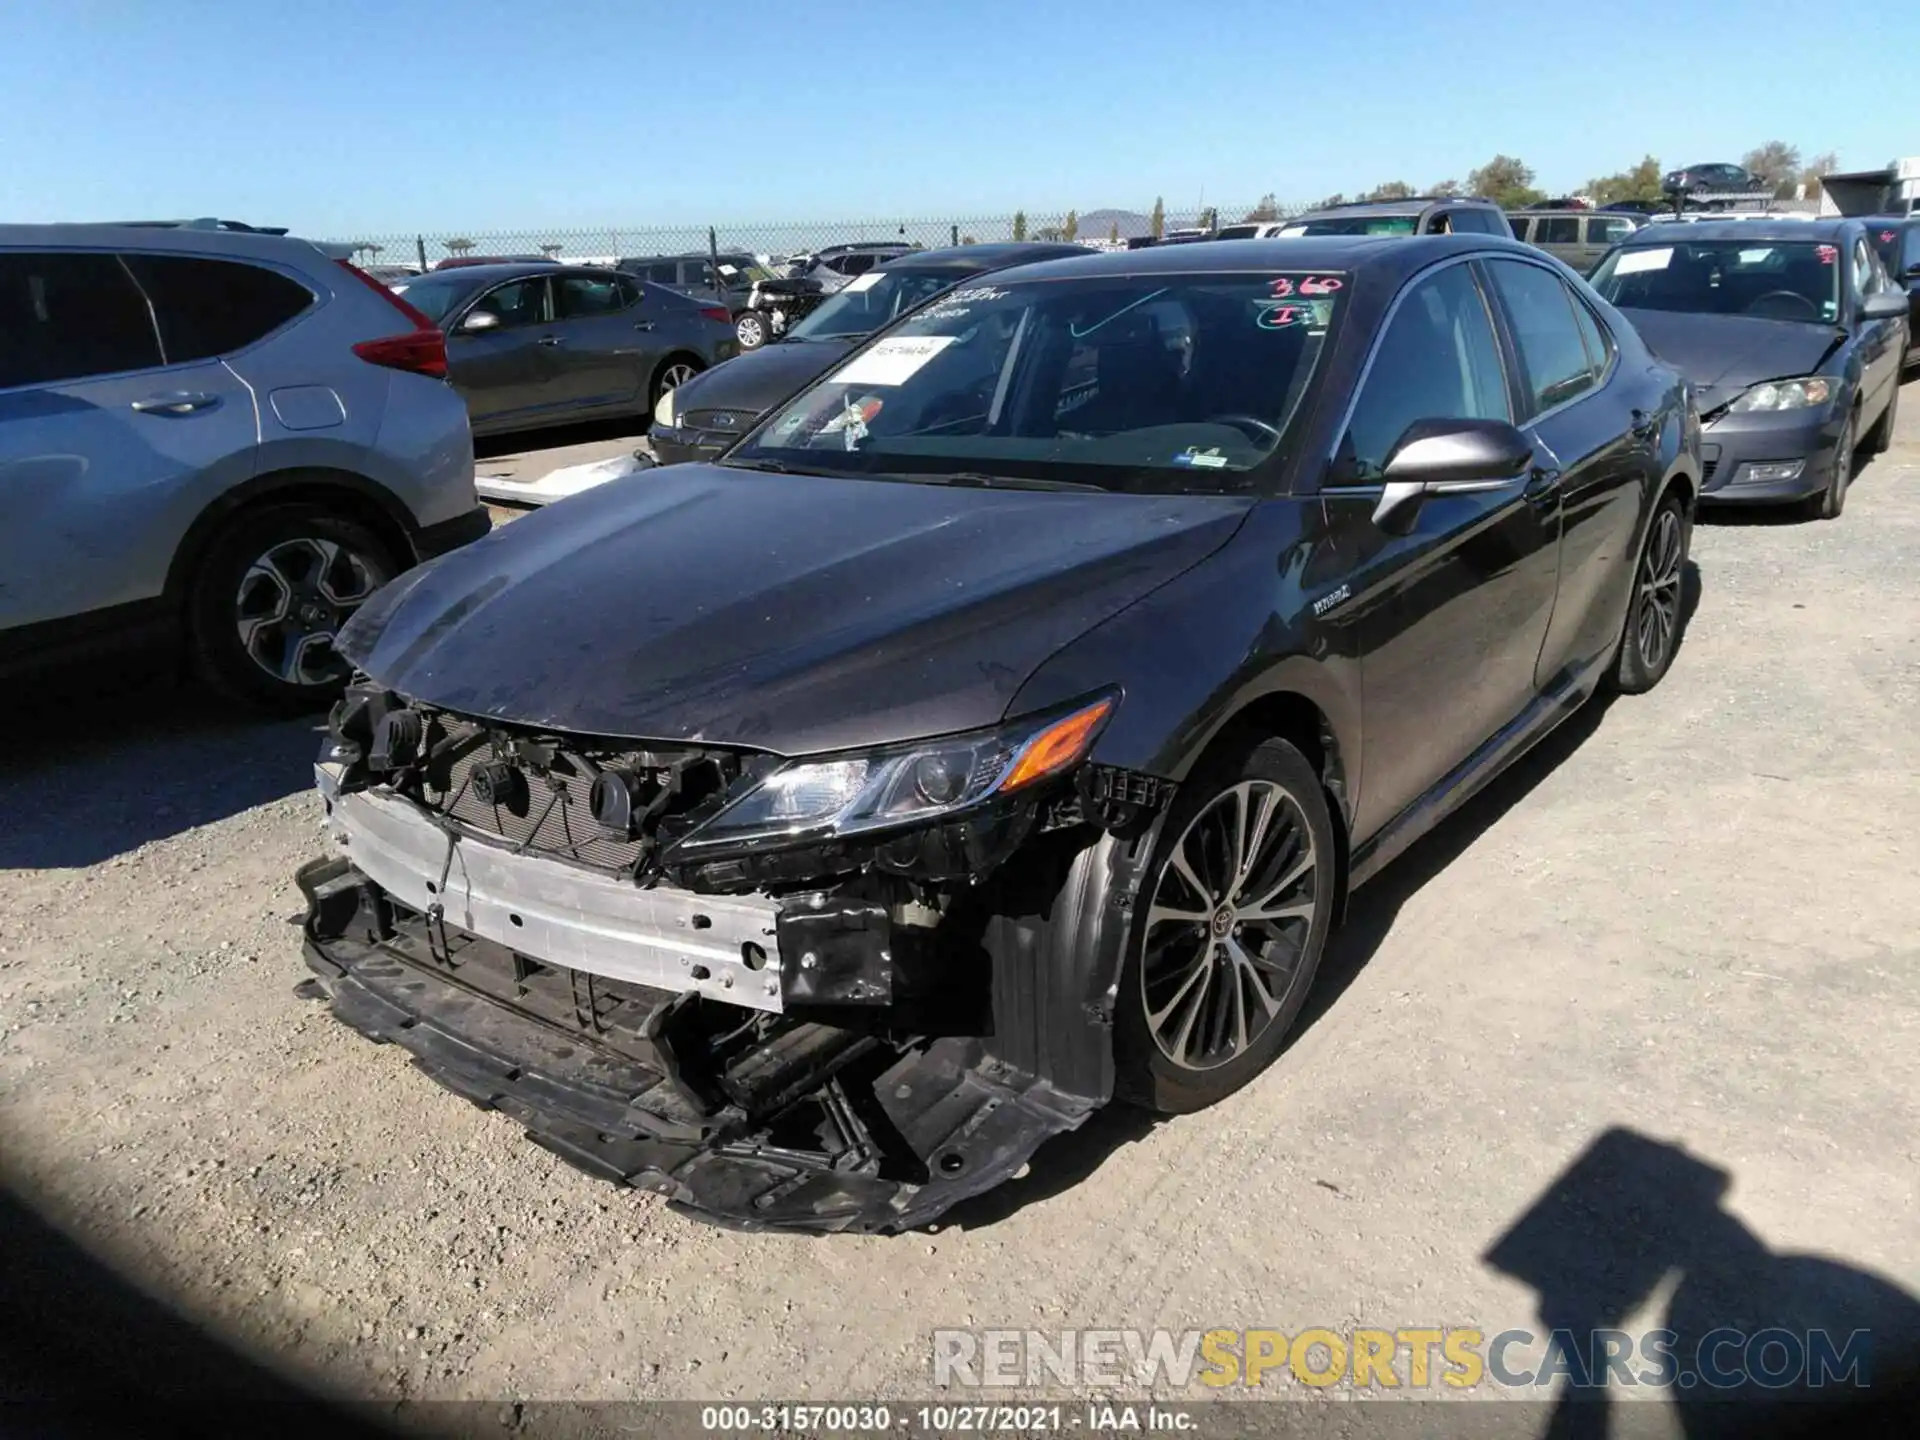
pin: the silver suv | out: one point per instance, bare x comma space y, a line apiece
226, 440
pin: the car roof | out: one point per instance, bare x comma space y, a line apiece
1770, 228
1878, 222
192, 239
1391, 256
691, 255
1412, 205
985, 257
507, 269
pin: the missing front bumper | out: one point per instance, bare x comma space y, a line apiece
805, 1126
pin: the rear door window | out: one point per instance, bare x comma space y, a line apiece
1556, 230
584, 296
214, 307
1608, 230
1540, 310
67, 316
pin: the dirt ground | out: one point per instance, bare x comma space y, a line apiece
1685, 933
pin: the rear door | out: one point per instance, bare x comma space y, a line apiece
602, 347
1568, 367
1450, 616
102, 433
505, 373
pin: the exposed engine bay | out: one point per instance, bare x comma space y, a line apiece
823, 994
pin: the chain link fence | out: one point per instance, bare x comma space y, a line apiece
779, 240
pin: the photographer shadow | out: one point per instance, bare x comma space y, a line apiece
1757, 1336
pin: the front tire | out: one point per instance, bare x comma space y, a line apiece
752, 329
270, 595
1828, 504
1876, 440
1652, 632
1229, 930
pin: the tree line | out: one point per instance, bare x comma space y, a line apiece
1509, 181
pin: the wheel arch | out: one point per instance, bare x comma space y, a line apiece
1292, 715
353, 496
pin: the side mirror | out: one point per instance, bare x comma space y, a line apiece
478, 322
1448, 457
1884, 305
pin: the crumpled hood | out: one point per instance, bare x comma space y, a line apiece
791, 613
1724, 354
755, 382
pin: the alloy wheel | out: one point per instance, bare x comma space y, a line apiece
751, 330
293, 600
1659, 618
1227, 929
676, 375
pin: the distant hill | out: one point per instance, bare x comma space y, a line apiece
1099, 224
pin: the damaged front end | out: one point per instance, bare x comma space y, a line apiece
835, 993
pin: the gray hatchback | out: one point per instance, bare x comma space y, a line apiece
222, 439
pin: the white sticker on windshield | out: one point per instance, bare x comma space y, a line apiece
892, 361
1755, 257
729, 269
861, 282
1631, 262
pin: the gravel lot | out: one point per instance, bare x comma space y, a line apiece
1693, 916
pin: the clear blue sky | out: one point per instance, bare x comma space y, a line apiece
354, 117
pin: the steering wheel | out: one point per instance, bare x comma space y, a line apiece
1255, 427
1800, 302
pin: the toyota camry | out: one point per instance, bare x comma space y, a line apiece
1000, 728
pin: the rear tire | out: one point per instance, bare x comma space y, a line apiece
271, 592
676, 372
1652, 632
1224, 949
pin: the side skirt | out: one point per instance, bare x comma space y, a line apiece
1532, 725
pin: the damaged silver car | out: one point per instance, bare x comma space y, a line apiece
811, 835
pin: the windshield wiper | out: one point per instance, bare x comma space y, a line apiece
982, 481
770, 467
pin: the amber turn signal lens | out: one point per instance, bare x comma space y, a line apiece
1057, 746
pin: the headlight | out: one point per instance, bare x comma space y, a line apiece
1783, 395
903, 784
663, 410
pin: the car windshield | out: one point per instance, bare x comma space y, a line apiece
869, 301
1144, 383
1353, 225
1770, 279
740, 270
433, 296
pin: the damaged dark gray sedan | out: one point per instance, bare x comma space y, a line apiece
811, 836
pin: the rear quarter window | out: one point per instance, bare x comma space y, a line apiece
213, 307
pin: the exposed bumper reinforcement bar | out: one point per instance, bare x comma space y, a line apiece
920, 1126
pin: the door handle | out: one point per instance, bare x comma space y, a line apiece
548, 340
643, 324
178, 403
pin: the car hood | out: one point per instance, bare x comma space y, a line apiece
1724, 354
791, 613
755, 382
